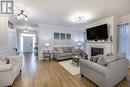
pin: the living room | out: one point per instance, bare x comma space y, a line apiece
64, 43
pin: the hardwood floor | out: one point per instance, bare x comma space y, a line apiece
44, 74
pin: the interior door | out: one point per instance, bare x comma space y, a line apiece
27, 44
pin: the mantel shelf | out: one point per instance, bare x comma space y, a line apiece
100, 42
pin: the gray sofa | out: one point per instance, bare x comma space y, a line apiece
105, 76
61, 53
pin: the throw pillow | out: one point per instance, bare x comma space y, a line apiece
101, 61
3, 59
1, 62
60, 50
96, 58
91, 59
7, 61
55, 49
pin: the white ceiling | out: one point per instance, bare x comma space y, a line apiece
60, 12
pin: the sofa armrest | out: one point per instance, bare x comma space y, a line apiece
94, 66
119, 67
56, 54
6, 67
118, 70
17, 58
124, 63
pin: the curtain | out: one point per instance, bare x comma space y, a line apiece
124, 39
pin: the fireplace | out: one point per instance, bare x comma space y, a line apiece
96, 51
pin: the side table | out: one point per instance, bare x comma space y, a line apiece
47, 54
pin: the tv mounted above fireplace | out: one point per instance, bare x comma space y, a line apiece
97, 33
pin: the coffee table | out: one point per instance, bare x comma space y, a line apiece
76, 59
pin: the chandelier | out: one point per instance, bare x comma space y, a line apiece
25, 30
80, 19
22, 15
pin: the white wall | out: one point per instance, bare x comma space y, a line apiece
12, 38
46, 33
7, 37
3, 32
124, 19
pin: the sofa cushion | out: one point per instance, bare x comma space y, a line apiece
104, 60
55, 49
63, 55
68, 54
109, 59
66, 50
75, 53
6, 67
69, 50
74, 50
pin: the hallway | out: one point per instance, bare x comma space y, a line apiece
44, 74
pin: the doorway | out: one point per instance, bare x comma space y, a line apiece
27, 43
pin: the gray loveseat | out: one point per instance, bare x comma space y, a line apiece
60, 53
108, 75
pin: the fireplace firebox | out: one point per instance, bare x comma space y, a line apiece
96, 51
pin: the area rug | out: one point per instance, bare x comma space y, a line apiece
71, 68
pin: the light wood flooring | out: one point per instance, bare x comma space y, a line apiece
44, 74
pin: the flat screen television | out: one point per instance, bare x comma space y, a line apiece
97, 33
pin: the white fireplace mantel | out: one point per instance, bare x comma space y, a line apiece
106, 46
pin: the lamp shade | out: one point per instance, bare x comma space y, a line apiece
47, 44
79, 43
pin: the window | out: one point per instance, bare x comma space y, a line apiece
68, 36
62, 36
56, 36
124, 39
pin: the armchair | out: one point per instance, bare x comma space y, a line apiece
9, 72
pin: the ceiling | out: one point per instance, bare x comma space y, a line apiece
61, 12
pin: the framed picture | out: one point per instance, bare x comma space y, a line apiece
68, 36
56, 36
62, 36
